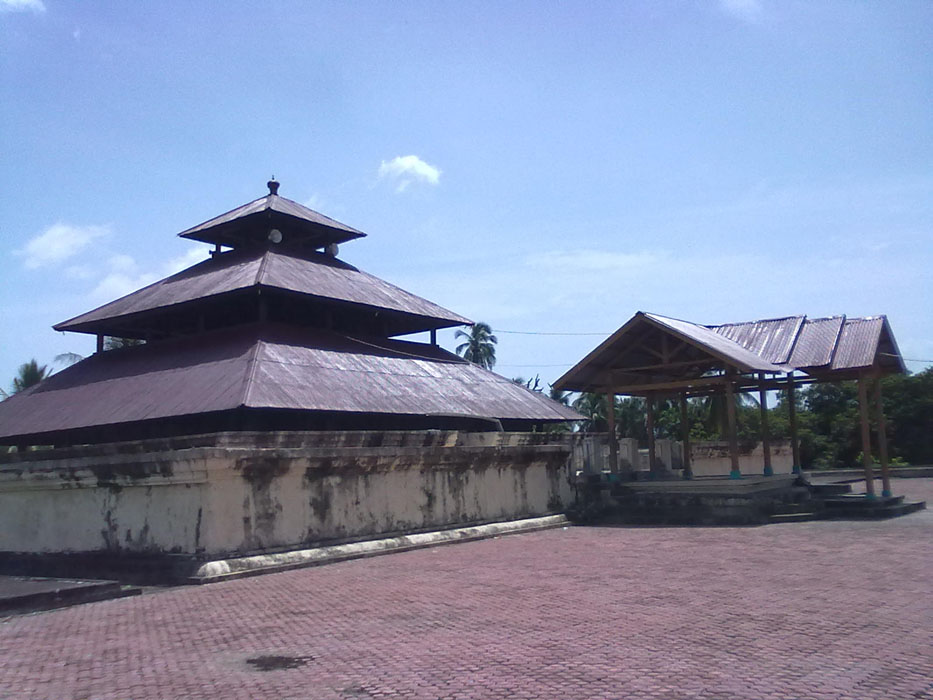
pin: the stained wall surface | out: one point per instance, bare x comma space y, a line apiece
239, 493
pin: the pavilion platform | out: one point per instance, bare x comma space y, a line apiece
721, 500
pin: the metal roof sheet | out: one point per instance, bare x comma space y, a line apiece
269, 366
770, 339
858, 343
310, 273
816, 342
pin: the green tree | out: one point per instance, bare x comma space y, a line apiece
593, 408
29, 374
908, 406
115, 343
479, 346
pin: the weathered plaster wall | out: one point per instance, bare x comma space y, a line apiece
223, 494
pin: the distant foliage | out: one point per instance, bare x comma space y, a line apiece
828, 425
479, 346
29, 374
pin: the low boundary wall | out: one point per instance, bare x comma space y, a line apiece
202, 497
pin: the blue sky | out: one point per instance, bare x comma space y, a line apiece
542, 166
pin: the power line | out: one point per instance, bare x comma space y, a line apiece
499, 330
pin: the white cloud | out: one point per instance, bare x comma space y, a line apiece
22, 6
58, 242
124, 275
190, 257
747, 10
404, 170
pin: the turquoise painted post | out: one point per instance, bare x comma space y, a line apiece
792, 416
765, 433
735, 472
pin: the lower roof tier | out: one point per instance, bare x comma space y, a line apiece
266, 367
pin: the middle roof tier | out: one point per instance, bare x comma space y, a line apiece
239, 286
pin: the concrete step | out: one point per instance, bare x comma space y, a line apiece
860, 500
825, 490
880, 512
798, 517
20, 594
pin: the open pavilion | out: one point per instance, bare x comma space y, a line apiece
655, 357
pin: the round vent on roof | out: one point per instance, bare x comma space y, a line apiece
332, 249
275, 236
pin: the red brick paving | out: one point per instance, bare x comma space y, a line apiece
824, 610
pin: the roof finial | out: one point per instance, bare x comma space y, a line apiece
273, 186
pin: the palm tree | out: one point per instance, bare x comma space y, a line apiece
29, 375
593, 406
479, 346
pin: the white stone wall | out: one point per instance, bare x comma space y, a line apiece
234, 499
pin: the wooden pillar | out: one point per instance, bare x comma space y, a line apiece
882, 441
735, 472
792, 418
866, 437
685, 430
433, 336
649, 428
100, 343
611, 424
765, 433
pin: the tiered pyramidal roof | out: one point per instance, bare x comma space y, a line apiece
272, 332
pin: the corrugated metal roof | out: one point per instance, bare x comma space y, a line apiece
771, 339
816, 342
269, 366
310, 273
828, 347
858, 343
305, 222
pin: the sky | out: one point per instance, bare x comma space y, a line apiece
549, 168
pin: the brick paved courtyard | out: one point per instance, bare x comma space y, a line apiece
811, 610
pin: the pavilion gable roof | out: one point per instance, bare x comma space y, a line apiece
836, 347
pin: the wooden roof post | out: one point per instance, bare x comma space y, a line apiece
765, 434
882, 441
735, 472
100, 343
685, 429
611, 425
792, 418
866, 436
649, 427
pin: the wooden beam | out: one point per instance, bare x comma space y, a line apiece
735, 472
882, 440
866, 437
680, 385
649, 427
765, 433
611, 424
685, 431
666, 365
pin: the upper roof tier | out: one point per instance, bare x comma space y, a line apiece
253, 223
